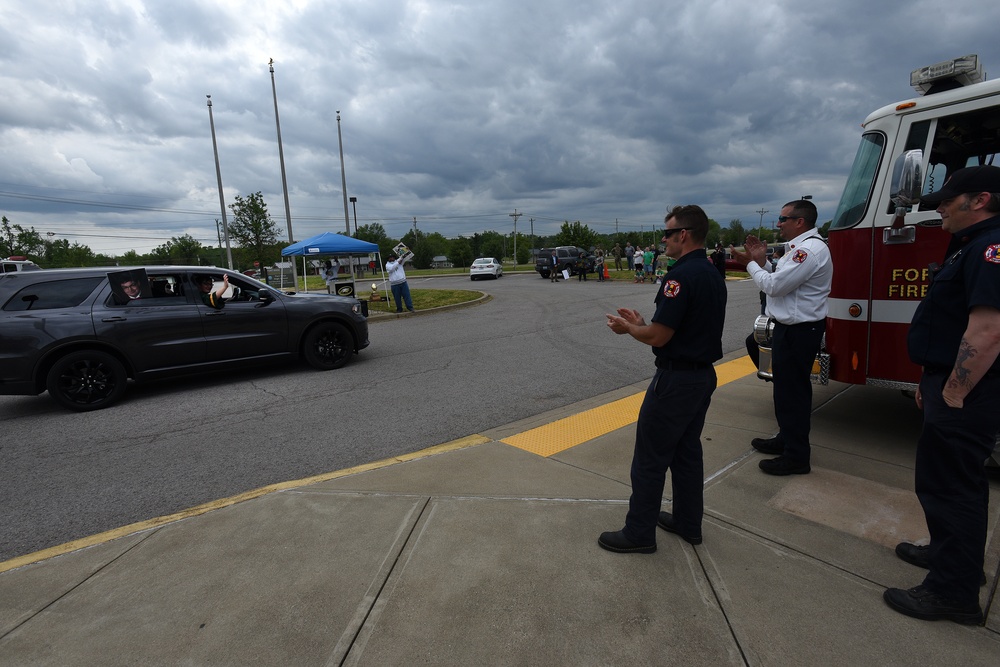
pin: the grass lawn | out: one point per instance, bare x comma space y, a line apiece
433, 298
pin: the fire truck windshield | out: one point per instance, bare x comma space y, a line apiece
860, 182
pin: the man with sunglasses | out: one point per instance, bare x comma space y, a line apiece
797, 289
955, 337
686, 336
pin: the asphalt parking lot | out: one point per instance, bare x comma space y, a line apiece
483, 551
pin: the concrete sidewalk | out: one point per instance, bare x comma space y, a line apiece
487, 554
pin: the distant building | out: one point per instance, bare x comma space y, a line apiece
441, 262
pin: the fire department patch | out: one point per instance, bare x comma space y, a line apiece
992, 254
799, 256
671, 288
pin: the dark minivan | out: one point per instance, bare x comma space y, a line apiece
82, 333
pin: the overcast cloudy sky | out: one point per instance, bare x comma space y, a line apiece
456, 113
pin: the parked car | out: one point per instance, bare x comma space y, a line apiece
82, 333
570, 258
486, 266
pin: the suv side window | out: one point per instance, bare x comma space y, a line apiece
53, 294
165, 288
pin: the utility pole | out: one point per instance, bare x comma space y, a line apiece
531, 221
762, 211
414, 233
515, 215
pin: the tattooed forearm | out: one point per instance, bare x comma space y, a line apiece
960, 376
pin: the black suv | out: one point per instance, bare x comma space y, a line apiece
569, 257
81, 333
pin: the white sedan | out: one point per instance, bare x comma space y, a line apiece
486, 266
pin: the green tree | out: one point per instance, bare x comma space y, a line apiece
252, 227
131, 258
61, 254
523, 254
187, 250
576, 234
460, 253
375, 233
160, 254
491, 244
413, 239
423, 256
16, 240
180, 250
734, 234
714, 234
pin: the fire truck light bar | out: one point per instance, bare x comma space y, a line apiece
965, 70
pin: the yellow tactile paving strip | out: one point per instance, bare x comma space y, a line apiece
571, 431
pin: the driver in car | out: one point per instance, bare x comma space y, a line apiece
210, 298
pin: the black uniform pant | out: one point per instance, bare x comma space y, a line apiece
668, 435
951, 483
792, 354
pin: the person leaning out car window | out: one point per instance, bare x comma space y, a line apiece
208, 297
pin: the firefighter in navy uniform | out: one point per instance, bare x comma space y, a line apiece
955, 337
685, 334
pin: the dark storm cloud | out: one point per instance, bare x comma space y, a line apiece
451, 112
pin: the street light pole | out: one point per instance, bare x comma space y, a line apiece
343, 175
284, 181
218, 175
354, 205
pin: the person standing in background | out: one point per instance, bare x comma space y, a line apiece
397, 283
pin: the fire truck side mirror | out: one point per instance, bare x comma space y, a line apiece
907, 181
908, 178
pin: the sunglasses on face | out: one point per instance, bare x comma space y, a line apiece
667, 233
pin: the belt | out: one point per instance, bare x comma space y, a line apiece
800, 324
678, 365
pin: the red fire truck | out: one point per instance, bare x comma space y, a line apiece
882, 244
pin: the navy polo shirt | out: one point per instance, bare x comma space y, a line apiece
969, 277
692, 301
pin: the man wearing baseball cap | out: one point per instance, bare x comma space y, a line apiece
955, 337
